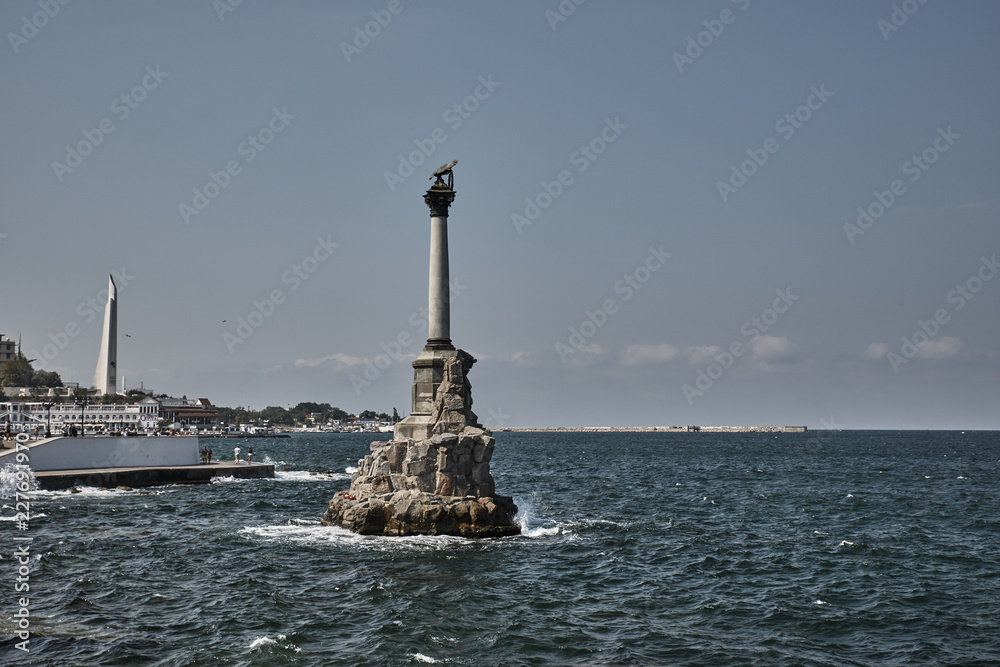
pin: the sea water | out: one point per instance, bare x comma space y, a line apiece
824, 548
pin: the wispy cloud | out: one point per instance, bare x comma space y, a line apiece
877, 350
587, 355
701, 354
340, 359
946, 347
774, 350
648, 354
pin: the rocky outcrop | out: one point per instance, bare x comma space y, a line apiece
436, 485
418, 513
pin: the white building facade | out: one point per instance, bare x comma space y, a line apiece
97, 418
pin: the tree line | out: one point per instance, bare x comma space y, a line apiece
18, 372
321, 412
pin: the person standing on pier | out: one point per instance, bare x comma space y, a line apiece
249, 455
236, 454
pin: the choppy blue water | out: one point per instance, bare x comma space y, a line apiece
849, 548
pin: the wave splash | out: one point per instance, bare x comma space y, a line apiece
13, 474
532, 525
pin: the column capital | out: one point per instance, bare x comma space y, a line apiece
438, 199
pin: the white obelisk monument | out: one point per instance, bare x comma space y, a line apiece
106, 375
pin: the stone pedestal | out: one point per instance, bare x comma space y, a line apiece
433, 477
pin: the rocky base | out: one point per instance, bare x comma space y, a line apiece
419, 513
433, 477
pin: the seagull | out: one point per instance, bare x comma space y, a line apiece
441, 171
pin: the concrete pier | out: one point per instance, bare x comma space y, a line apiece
203, 473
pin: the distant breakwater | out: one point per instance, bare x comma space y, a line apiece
657, 429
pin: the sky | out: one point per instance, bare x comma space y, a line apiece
667, 213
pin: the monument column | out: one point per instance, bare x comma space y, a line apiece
438, 199
433, 477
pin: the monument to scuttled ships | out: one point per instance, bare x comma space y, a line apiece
433, 477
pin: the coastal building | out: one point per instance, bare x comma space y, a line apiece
8, 350
198, 413
30, 415
140, 416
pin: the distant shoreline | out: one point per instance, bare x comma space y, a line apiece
657, 429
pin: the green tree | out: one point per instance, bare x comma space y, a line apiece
367, 414
395, 416
277, 415
338, 414
17, 372
307, 407
42, 378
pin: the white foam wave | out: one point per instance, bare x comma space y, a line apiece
533, 526
11, 475
98, 492
539, 531
262, 641
350, 470
280, 642
85, 492
420, 657
301, 531
228, 480
309, 476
